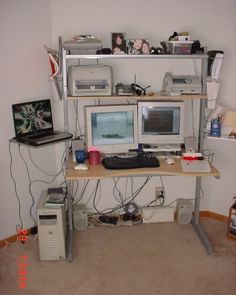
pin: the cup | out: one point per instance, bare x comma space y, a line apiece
80, 156
94, 157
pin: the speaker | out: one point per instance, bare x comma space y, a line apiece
80, 217
184, 211
190, 143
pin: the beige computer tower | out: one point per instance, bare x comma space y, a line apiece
51, 230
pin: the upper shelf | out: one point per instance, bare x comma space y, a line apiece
133, 56
155, 96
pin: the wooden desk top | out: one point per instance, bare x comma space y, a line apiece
99, 172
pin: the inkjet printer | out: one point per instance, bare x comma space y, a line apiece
90, 80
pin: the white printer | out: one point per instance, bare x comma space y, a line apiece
90, 80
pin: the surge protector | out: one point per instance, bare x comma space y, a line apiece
163, 214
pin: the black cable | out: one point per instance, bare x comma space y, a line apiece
15, 188
83, 191
95, 194
115, 188
63, 163
131, 197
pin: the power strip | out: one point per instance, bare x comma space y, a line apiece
163, 214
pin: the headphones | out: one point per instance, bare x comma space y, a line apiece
138, 90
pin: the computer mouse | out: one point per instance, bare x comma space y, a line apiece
170, 161
81, 166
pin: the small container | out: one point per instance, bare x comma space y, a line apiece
215, 128
180, 47
94, 157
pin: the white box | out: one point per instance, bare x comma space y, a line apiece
180, 47
51, 230
163, 214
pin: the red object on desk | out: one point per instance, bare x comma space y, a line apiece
94, 157
190, 158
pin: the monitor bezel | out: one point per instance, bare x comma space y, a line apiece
111, 148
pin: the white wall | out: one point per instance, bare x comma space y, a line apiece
220, 192
26, 25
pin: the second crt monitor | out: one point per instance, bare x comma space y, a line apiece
161, 122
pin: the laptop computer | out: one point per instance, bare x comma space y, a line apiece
34, 125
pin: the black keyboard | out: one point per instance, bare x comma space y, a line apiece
139, 161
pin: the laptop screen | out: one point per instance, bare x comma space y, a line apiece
32, 117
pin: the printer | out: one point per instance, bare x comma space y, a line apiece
181, 84
90, 80
83, 46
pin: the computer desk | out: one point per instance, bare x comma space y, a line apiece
99, 172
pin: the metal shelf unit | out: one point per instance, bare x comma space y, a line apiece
204, 60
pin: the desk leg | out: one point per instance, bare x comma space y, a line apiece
70, 227
195, 221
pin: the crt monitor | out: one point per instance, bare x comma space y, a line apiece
111, 128
161, 122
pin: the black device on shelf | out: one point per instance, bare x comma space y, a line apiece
139, 161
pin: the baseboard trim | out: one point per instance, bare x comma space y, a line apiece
213, 215
208, 214
10, 239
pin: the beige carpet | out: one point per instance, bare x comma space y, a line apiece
150, 259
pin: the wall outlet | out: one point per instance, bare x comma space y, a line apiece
159, 191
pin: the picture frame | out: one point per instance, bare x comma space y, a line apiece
138, 46
119, 45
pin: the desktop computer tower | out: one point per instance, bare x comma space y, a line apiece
51, 230
184, 211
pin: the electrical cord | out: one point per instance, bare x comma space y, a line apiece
77, 123
118, 198
86, 182
15, 187
191, 199
129, 199
40, 169
30, 191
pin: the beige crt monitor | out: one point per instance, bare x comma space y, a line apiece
111, 128
51, 230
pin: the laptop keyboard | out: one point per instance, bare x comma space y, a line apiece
44, 135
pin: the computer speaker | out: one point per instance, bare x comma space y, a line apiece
80, 217
184, 211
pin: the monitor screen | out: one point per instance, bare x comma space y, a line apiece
111, 129
161, 122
